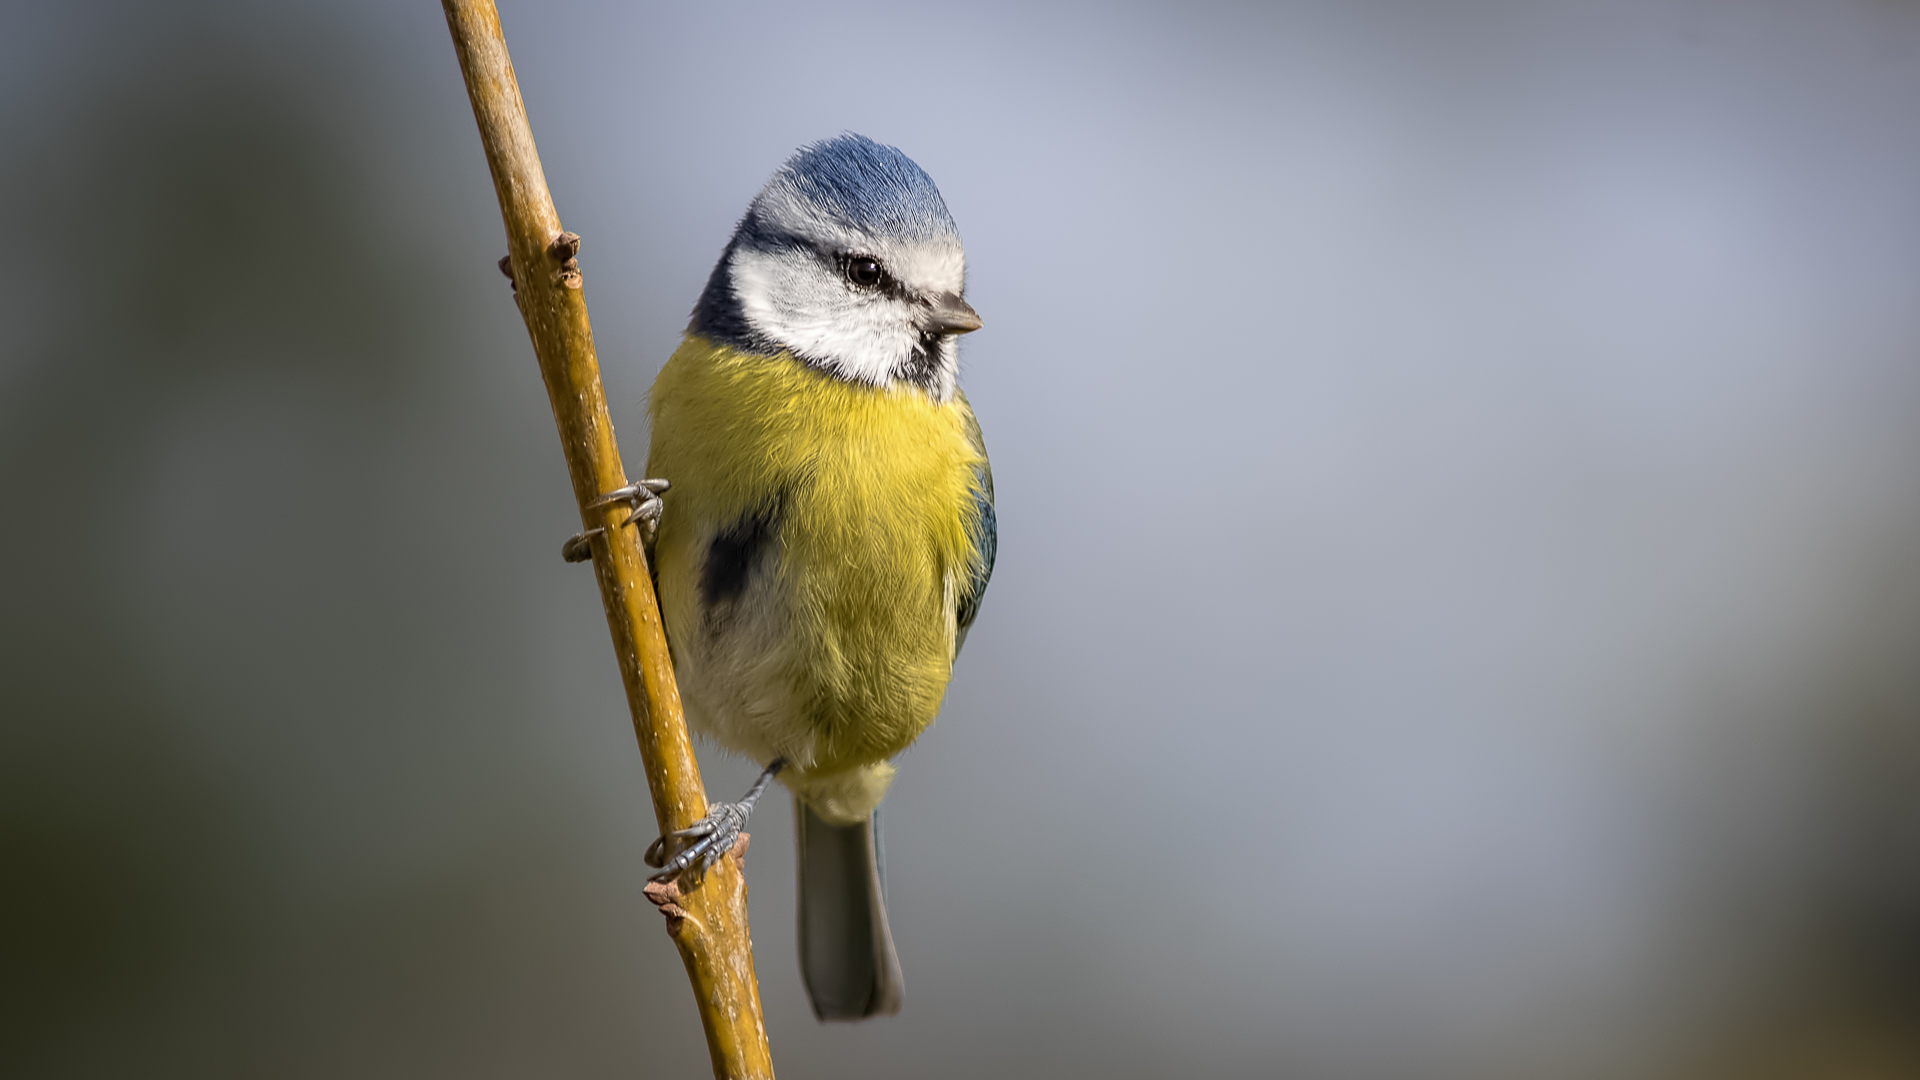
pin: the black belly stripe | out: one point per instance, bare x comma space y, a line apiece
732, 555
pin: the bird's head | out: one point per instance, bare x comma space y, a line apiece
849, 260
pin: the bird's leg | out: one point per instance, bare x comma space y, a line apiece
698, 845
643, 497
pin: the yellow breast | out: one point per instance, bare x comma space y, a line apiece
809, 553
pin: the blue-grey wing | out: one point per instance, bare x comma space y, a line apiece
985, 530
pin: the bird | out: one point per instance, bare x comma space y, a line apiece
822, 525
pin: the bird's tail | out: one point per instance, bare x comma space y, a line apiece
846, 950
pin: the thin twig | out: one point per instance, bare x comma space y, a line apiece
709, 923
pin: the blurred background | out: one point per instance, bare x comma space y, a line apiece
1458, 606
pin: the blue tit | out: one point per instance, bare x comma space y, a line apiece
829, 529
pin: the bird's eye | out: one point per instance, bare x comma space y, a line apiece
864, 271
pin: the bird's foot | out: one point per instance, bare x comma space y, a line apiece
644, 499
697, 846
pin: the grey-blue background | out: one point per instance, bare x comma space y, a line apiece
1458, 609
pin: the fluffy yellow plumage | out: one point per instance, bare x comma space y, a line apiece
829, 529
809, 561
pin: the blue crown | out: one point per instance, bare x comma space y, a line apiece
870, 187
851, 180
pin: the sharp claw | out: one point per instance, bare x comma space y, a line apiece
717, 832
695, 856
644, 495
703, 833
643, 491
579, 547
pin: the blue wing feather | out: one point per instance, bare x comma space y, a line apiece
986, 537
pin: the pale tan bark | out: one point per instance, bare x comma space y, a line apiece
709, 922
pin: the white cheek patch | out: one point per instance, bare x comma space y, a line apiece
789, 298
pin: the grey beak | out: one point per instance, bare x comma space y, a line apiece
952, 315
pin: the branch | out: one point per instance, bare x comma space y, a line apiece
709, 923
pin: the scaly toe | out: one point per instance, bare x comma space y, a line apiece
643, 496
579, 547
711, 837
638, 493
